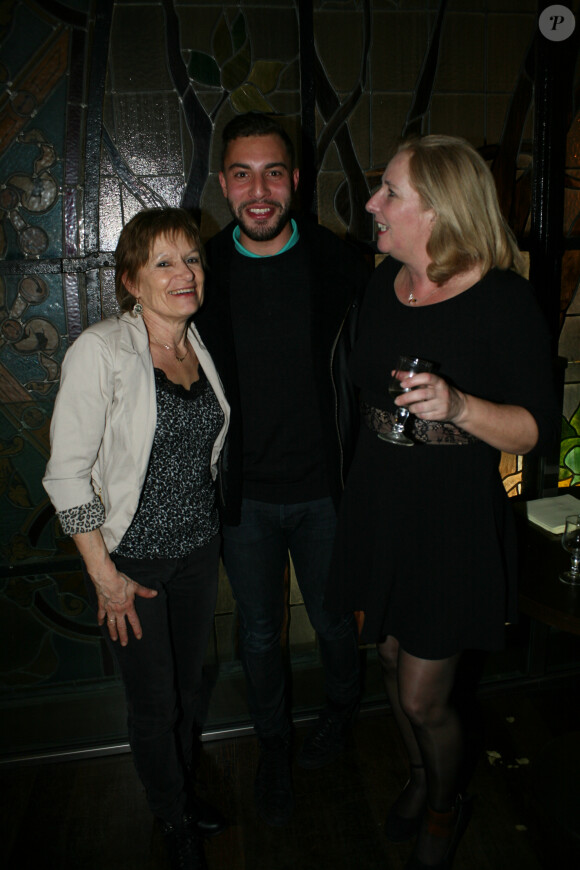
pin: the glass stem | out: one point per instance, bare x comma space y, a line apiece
575, 566
401, 419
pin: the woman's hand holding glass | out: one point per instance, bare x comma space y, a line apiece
431, 398
403, 387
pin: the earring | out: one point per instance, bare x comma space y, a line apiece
138, 308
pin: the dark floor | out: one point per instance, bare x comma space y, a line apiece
92, 814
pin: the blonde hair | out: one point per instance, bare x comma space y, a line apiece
455, 181
137, 238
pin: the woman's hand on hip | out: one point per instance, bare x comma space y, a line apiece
116, 599
115, 591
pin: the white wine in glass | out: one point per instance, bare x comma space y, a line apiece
407, 366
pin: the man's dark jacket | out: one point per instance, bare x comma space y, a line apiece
339, 275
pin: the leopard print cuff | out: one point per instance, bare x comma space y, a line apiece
84, 518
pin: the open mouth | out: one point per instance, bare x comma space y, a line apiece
261, 212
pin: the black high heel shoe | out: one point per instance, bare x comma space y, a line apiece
452, 825
398, 828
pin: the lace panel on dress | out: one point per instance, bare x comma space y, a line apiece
421, 431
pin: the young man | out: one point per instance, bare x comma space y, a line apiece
279, 317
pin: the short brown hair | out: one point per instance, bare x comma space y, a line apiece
454, 180
256, 124
137, 238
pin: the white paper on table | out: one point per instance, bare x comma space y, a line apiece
550, 513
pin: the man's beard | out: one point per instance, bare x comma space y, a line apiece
265, 232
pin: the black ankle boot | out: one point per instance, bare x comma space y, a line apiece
208, 820
450, 826
400, 828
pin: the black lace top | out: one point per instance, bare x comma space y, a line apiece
177, 511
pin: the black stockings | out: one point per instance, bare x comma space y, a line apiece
419, 692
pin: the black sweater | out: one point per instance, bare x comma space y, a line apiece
336, 277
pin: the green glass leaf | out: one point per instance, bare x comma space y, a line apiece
566, 446
568, 431
221, 44
235, 71
265, 74
575, 420
248, 98
239, 31
203, 69
572, 459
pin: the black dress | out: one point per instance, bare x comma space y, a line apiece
425, 542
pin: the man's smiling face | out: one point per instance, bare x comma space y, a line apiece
258, 183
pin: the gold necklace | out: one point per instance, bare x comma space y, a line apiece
168, 347
412, 299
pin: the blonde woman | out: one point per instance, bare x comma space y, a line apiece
425, 544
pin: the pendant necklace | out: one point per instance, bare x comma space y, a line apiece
168, 347
412, 299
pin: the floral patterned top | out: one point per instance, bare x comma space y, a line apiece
177, 511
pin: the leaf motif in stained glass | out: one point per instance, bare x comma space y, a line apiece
265, 74
203, 69
568, 430
239, 31
248, 98
575, 421
569, 457
235, 71
221, 45
572, 462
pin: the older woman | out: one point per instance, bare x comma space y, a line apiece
137, 429
425, 544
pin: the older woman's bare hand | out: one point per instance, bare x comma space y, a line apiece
116, 599
431, 398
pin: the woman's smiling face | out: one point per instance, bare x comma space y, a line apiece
170, 284
403, 224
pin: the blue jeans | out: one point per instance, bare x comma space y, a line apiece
255, 555
162, 672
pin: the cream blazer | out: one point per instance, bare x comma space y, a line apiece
104, 421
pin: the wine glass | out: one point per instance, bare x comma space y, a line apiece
571, 543
407, 366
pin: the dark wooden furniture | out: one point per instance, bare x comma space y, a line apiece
550, 604
542, 596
